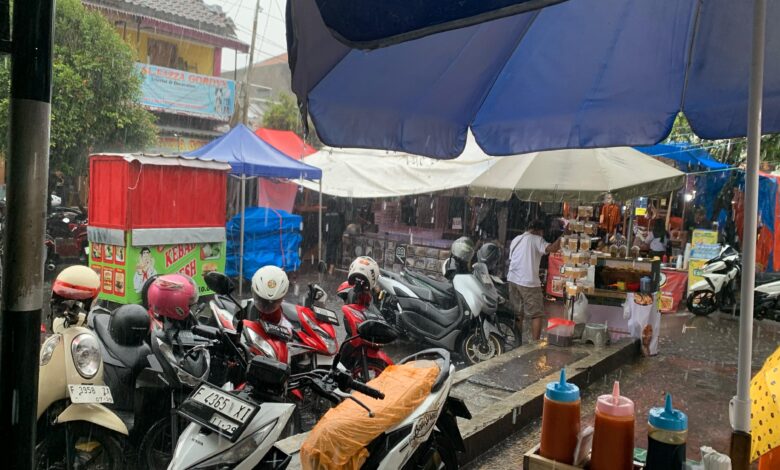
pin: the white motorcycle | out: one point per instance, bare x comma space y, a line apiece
718, 288
238, 430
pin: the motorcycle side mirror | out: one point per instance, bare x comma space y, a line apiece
377, 332
219, 283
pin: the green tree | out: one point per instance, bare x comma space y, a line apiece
283, 114
95, 92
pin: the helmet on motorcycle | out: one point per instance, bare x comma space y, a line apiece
462, 249
364, 267
76, 283
489, 254
129, 325
171, 296
269, 286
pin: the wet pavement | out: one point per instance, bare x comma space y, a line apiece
697, 363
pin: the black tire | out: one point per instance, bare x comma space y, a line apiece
474, 353
104, 449
513, 337
375, 367
437, 453
702, 302
156, 449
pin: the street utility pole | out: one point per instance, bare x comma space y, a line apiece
244, 118
27, 183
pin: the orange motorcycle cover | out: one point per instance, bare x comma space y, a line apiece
339, 439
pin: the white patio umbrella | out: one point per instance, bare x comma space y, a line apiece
577, 175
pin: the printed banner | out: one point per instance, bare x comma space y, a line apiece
124, 269
672, 288
180, 92
694, 271
555, 280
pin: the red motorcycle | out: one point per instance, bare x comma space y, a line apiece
66, 236
364, 359
313, 329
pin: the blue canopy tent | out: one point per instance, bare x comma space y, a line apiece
250, 156
690, 157
577, 74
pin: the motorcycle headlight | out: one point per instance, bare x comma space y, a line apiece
86, 355
48, 349
260, 343
330, 341
238, 452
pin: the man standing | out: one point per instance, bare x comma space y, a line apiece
525, 287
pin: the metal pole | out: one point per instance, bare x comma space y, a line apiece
247, 78
241, 238
669, 210
30, 112
740, 438
319, 233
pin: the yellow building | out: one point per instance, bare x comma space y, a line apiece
178, 49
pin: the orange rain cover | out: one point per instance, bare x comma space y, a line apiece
339, 439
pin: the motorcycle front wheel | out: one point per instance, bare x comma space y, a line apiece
88, 447
702, 302
475, 350
512, 336
156, 449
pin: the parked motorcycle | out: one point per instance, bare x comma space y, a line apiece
75, 428
718, 288
66, 236
237, 430
471, 327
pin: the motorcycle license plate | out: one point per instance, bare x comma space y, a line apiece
219, 411
90, 394
323, 314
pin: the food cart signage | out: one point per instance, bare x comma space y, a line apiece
400, 254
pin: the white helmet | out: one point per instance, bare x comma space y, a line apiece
269, 286
365, 267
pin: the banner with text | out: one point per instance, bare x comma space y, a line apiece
180, 92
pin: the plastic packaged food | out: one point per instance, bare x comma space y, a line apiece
585, 212
573, 243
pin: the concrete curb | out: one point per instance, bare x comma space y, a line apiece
491, 425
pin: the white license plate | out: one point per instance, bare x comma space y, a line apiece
226, 425
328, 315
90, 394
223, 403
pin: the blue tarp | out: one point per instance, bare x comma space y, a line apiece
249, 155
690, 157
582, 73
272, 237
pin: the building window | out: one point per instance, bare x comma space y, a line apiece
162, 53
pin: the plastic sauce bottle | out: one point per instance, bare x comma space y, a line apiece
666, 437
560, 421
613, 435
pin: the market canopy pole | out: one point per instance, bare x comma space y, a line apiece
241, 238
740, 437
30, 122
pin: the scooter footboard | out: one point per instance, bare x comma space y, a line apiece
93, 413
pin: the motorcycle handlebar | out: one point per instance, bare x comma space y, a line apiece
365, 389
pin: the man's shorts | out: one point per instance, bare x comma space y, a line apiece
526, 301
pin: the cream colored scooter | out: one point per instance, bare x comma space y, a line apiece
75, 429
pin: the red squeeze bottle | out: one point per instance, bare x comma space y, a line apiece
613, 435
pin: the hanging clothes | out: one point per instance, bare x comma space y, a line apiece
610, 217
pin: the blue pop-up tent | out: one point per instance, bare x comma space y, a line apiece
250, 156
690, 157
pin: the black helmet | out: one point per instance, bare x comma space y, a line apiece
489, 254
463, 249
129, 325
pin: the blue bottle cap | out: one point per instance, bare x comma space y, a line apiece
562, 390
667, 418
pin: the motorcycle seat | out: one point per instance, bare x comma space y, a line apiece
421, 292
340, 438
132, 357
290, 312
444, 287
444, 318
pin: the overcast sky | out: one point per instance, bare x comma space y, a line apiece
271, 39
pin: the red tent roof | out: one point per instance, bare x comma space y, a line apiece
286, 142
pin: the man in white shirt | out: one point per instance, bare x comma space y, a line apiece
525, 287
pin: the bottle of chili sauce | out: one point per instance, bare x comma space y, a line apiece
613, 435
560, 421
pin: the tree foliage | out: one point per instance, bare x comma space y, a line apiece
95, 92
283, 114
731, 151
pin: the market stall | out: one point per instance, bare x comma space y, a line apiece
153, 215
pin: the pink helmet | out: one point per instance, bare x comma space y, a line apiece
171, 296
